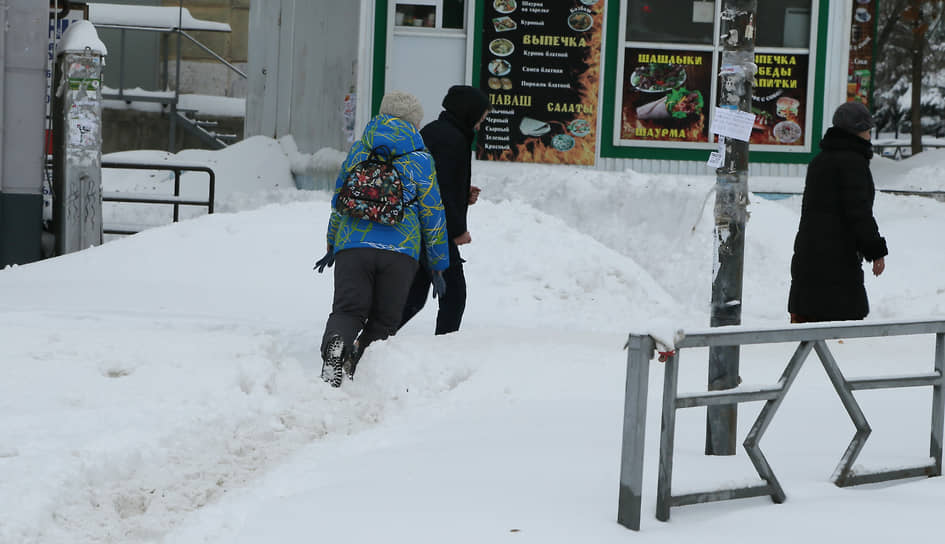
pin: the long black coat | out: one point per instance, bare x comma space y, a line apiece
449, 139
837, 231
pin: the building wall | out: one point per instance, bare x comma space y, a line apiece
303, 59
23, 40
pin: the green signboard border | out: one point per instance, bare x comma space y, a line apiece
609, 83
609, 150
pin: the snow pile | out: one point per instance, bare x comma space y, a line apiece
164, 387
922, 172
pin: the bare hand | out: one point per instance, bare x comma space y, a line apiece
474, 194
463, 238
879, 265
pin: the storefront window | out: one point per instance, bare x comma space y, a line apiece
415, 15
784, 23
670, 21
444, 14
669, 65
454, 14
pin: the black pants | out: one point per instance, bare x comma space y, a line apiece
450, 315
371, 286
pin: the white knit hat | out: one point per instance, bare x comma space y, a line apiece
403, 105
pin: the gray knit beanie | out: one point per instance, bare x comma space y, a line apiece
403, 105
853, 117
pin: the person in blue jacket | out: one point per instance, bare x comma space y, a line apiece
376, 263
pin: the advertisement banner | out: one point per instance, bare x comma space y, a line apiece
780, 101
666, 95
860, 73
541, 70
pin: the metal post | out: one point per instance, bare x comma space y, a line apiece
664, 486
731, 198
938, 404
165, 80
77, 155
121, 66
640, 350
172, 143
176, 193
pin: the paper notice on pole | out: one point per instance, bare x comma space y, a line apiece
717, 158
733, 124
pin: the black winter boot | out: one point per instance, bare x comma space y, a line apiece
332, 360
350, 363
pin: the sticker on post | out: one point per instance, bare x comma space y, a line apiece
734, 124
717, 158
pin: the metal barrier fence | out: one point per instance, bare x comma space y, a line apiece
154, 198
809, 337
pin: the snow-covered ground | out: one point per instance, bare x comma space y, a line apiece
164, 387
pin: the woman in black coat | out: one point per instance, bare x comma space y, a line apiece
449, 139
837, 229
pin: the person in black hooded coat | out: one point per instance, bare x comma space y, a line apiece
837, 228
449, 139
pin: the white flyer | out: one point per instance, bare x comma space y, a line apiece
732, 123
717, 158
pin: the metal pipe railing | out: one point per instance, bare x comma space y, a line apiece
215, 55
810, 337
176, 200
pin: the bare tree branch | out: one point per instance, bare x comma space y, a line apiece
891, 23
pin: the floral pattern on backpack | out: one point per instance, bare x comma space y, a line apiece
373, 189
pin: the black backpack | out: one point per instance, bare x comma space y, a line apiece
373, 189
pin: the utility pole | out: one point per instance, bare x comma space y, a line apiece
736, 86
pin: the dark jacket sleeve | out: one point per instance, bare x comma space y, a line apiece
857, 194
451, 156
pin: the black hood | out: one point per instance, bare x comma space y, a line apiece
466, 104
837, 139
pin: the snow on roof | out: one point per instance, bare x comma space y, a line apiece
81, 35
150, 17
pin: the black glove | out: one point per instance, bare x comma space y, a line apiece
439, 284
327, 260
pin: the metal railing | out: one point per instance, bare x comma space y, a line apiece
936, 195
155, 198
898, 151
809, 337
217, 141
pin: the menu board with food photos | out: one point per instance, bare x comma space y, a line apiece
862, 34
779, 100
665, 95
541, 70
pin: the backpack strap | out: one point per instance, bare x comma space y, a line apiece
392, 158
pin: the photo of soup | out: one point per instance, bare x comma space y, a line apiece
787, 132
580, 21
501, 47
